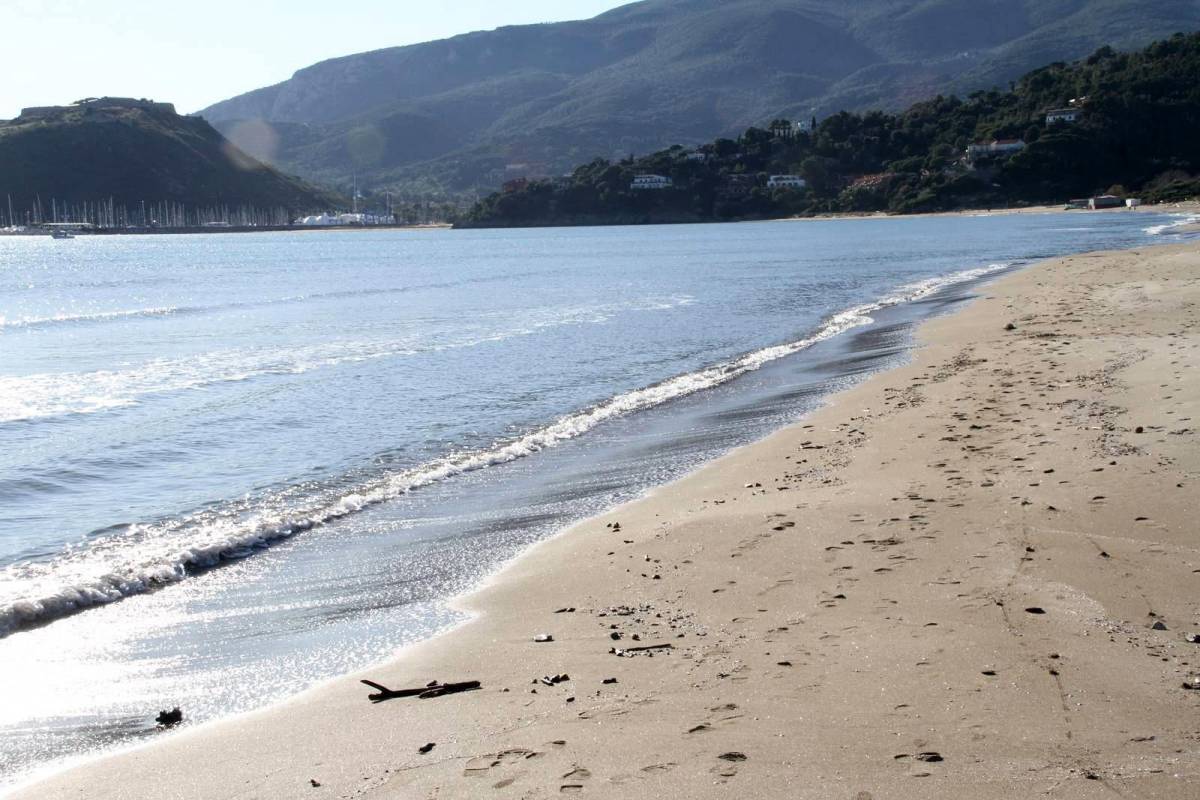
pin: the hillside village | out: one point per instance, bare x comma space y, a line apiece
1109, 125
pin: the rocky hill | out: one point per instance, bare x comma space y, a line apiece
123, 152
476, 109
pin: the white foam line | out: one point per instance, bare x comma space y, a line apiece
1180, 221
85, 578
109, 316
100, 316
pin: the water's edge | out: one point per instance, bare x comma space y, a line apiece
250, 535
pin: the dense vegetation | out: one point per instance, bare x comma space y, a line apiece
110, 158
452, 116
1138, 129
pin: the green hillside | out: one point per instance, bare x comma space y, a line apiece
1136, 126
123, 153
475, 110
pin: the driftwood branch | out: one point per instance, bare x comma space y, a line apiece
650, 648
433, 689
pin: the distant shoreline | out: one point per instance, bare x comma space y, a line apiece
1185, 207
37, 232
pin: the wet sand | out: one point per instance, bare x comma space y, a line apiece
972, 576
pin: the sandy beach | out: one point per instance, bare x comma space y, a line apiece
970, 577
1183, 207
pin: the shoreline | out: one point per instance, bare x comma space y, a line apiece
38, 233
835, 324
716, 523
1181, 207
1186, 207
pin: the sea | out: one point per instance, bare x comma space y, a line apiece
233, 466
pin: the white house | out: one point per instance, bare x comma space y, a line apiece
786, 182
1062, 115
696, 156
641, 182
804, 125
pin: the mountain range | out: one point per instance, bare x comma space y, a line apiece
469, 112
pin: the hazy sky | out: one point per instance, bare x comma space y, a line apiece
193, 54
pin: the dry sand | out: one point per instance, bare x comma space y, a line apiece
943, 585
1183, 207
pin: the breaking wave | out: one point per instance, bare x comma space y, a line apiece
1181, 220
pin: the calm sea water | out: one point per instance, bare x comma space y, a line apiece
234, 465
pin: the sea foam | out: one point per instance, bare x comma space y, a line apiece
1180, 221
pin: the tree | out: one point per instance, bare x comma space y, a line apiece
815, 170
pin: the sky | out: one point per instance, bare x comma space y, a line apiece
194, 54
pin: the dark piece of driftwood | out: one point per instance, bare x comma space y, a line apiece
643, 649
433, 689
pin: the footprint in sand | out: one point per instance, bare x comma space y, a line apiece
656, 768
482, 765
729, 766
575, 777
782, 583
